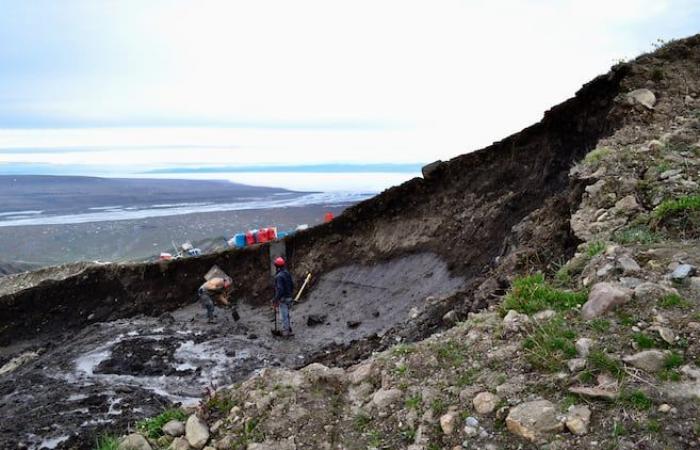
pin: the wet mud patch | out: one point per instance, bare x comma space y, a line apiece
145, 357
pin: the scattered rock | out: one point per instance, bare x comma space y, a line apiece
649, 292
134, 441
664, 408
602, 298
595, 392
691, 371
513, 321
578, 419
628, 265
485, 402
666, 334
447, 422
385, 397
534, 420
583, 346
361, 373
196, 432
313, 320
682, 272
180, 443
627, 204
576, 364
174, 428
431, 169
470, 432
450, 317
649, 360
643, 97
544, 315
471, 422
630, 282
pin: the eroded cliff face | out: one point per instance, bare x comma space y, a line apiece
478, 219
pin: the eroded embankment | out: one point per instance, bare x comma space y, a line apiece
477, 216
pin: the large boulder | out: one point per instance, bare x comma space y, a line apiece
430, 169
196, 432
643, 97
649, 360
604, 297
534, 420
134, 441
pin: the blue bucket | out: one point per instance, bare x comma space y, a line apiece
239, 239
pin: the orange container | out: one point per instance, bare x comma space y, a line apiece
328, 217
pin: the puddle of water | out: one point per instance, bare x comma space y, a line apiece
53, 442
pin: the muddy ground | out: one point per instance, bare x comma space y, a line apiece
111, 374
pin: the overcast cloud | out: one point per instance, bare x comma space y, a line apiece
174, 82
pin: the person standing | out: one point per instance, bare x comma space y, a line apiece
284, 287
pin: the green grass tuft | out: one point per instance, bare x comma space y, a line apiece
596, 155
595, 248
675, 207
106, 442
636, 399
549, 344
414, 402
599, 360
152, 427
643, 341
673, 360
674, 301
599, 325
531, 294
640, 234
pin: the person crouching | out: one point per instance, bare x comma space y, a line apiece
215, 289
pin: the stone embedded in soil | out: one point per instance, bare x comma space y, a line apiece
447, 422
361, 373
583, 346
576, 364
385, 397
595, 392
174, 428
602, 298
650, 292
315, 319
196, 432
353, 323
485, 402
643, 97
578, 418
648, 360
683, 271
534, 420
179, 443
628, 265
514, 321
134, 441
544, 315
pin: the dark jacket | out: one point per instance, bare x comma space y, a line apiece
284, 286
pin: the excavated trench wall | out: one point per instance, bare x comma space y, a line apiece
463, 212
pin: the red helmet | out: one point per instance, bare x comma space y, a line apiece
279, 262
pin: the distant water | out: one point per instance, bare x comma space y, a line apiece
333, 189
366, 182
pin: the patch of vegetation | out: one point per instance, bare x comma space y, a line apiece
549, 344
677, 207
402, 350
636, 399
657, 74
639, 234
596, 155
643, 341
438, 407
599, 325
220, 403
467, 377
673, 360
450, 352
531, 294
106, 442
626, 319
400, 370
152, 427
408, 434
600, 361
653, 426
375, 438
251, 433
563, 277
414, 401
674, 301
595, 248
361, 422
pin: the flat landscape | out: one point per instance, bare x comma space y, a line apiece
67, 219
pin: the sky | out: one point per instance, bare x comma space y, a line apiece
132, 85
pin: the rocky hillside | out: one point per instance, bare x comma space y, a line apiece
582, 266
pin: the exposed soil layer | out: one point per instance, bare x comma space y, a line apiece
113, 373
